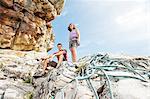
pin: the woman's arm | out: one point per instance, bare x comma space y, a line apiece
78, 33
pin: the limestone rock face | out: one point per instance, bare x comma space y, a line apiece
16, 74
23, 23
21, 77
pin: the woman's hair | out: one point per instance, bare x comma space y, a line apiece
74, 27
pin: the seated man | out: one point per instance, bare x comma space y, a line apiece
61, 56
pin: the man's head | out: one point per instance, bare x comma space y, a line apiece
59, 46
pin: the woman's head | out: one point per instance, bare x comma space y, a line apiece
71, 27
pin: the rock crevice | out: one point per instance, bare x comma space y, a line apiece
23, 23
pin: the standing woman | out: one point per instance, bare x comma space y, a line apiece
74, 41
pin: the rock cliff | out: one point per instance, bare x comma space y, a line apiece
26, 24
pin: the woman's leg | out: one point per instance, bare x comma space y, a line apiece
74, 54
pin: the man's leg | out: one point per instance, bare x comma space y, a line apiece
46, 61
60, 60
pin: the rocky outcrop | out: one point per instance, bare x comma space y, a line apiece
97, 76
16, 73
103, 76
25, 24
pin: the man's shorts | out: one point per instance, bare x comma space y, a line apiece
52, 64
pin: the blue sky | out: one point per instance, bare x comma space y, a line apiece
111, 26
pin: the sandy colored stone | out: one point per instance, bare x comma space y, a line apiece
23, 24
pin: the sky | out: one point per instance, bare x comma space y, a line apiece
106, 26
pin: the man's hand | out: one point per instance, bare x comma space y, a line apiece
51, 57
47, 57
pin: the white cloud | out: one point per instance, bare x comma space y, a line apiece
133, 18
114, 26
137, 19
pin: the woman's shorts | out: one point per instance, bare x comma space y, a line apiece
74, 43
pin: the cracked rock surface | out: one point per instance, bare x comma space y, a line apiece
23, 23
128, 77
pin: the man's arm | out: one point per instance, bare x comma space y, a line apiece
55, 54
59, 53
